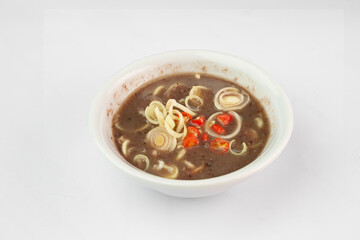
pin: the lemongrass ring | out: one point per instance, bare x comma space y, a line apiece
197, 98
159, 166
118, 126
259, 122
159, 116
124, 147
130, 149
180, 154
230, 98
150, 115
171, 131
172, 169
180, 119
121, 139
195, 90
184, 132
172, 102
170, 121
189, 164
241, 153
150, 111
142, 158
198, 169
161, 140
158, 90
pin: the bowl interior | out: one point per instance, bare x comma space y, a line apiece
225, 66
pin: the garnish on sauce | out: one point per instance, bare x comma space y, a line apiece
190, 141
224, 119
210, 122
178, 131
199, 121
216, 128
219, 145
231, 98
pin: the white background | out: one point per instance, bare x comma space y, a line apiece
55, 183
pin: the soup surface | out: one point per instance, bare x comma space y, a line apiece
190, 127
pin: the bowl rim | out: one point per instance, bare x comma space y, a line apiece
145, 177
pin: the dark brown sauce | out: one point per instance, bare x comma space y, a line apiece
215, 164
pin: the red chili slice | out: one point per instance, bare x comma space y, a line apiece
193, 130
190, 141
205, 137
199, 121
218, 129
187, 117
224, 119
219, 145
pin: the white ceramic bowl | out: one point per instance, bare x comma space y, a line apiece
260, 84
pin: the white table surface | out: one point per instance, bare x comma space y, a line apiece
56, 184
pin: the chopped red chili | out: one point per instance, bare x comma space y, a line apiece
187, 117
199, 121
190, 141
218, 129
224, 119
219, 145
193, 130
205, 137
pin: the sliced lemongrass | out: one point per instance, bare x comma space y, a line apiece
161, 140
184, 132
118, 126
121, 139
159, 116
181, 120
124, 147
173, 171
154, 153
158, 90
236, 153
170, 121
259, 122
171, 131
189, 164
230, 98
180, 154
142, 158
195, 90
172, 102
159, 165
150, 111
194, 98
130, 150
198, 169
